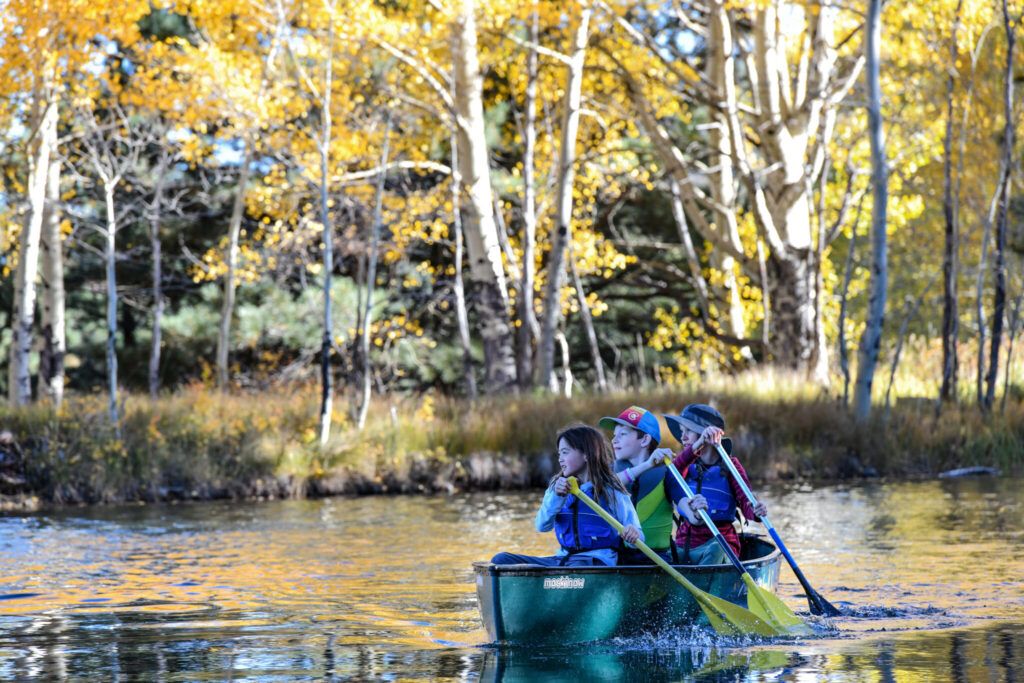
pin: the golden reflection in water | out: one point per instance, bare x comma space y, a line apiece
937, 553
394, 568
376, 576
918, 548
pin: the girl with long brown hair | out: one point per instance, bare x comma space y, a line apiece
585, 538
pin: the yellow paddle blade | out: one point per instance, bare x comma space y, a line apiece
761, 602
725, 617
772, 609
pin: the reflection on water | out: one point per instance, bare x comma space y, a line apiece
658, 662
928, 575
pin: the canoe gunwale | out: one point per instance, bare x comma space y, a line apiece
489, 569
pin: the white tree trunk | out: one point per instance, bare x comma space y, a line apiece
588, 326
326, 384
683, 228
563, 344
792, 111
458, 286
109, 254
228, 304
951, 243
20, 382
153, 374
979, 287
51, 359
784, 207
484, 250
371, 279
721, 71
327, 237
999, 256
867, 354
529, 329
566, 175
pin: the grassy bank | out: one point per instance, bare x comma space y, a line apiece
200, 444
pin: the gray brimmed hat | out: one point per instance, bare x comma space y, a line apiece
697, 417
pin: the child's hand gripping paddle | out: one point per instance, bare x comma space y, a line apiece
760, 601
818, 604
725, 617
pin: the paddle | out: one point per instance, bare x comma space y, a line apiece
760, 601
818, 604
725, 617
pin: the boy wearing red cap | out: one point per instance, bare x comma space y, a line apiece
654, 491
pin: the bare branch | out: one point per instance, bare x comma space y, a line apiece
530, 45
355, 176
442, 90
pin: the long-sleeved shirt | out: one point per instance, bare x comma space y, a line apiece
621, 508
693, 535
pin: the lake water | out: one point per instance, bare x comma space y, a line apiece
929, 575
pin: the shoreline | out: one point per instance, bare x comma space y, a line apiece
200, 444
477, 472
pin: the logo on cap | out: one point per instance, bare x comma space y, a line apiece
636, 417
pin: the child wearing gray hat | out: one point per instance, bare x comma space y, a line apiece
700, 429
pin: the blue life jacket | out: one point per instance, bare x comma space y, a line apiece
713, 484
578, 528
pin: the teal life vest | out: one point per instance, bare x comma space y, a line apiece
713, 484
578, 528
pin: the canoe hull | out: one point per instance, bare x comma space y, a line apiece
533, 605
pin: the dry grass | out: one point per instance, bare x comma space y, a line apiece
204, 443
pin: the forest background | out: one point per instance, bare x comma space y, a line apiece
290, 247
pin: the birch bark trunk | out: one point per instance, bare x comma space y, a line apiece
156, 245
721, 71
109, 256
782, 207
529, 329
979, 289
461, 315
999, 254
371, 281
51, 358
950, 261
228, 305
487, 275
19, 377
775, 137
566, 174
867, 353
327, 238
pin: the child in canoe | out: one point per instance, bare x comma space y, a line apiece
700, 428
585, 538
652, 488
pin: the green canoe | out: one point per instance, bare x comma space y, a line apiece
532, 605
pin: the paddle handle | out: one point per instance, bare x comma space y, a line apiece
707, 519
819, 605
743, 487
789, 558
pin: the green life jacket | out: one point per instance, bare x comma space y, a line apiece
653, 507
